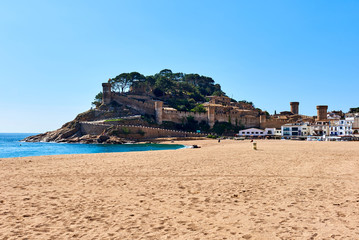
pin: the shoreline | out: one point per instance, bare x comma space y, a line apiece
285, 189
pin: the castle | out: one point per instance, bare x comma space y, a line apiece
218, 109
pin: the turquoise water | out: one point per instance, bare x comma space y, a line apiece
10, 146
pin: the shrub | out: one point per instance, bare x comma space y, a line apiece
114, 120
141, 132
212, 136
125, 130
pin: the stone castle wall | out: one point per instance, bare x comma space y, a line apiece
180, 116
146, 107
136, 132
273, 123
244, 119
247, 120
92, 129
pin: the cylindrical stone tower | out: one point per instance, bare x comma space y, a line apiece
159, 111
294, 107
106, 93
322, 112
262, 118
211, 116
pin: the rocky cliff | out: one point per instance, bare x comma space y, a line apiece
71, 131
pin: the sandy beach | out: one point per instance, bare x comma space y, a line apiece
226, 190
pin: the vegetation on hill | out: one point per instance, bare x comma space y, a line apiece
184, 92
354, 110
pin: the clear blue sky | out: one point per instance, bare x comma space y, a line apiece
56, 54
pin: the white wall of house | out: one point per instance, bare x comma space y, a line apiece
294, 129
342, 127
252, 132
319, 129
269, 131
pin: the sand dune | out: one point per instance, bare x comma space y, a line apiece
284, 190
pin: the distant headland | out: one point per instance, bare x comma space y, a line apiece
134, 107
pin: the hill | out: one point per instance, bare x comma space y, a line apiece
173, 101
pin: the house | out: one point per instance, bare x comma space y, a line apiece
269, 131
342, 127
295, 130
319, 128
252, 132
355, 126
256, 132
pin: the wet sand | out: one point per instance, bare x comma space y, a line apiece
226, 190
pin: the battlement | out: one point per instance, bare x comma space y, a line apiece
137, 132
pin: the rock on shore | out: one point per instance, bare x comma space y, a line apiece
71, 133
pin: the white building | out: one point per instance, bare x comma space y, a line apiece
252, 132
269, 131
256, 132
355, 126
319, 128
342, 127
295, 130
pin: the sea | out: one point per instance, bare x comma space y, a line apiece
11, 146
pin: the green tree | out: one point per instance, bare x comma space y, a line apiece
98, 99
121, 82
354, 110
199, 108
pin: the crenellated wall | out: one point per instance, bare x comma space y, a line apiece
248, 118
92, 129
136, 132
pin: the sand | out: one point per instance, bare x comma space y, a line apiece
226, 190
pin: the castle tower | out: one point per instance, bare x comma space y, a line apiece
262, 120
322, 112
159, 111
106, 90
294, 107
211, 117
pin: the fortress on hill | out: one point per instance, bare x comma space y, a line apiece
142, 114
218, 109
